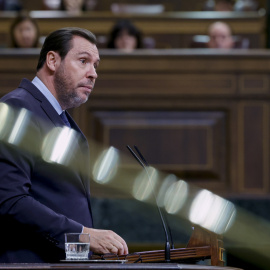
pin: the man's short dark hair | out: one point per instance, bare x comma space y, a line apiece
60, 41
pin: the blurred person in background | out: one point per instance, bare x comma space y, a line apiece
218, 5
24, 32
73, 6
51, 4
224, 5
246, 5
90, 4
125, 36
220, 36
10, 5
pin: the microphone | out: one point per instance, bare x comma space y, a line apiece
144, 164
166, 221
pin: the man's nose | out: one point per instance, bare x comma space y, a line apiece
92, 73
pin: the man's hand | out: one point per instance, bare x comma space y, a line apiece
105, 241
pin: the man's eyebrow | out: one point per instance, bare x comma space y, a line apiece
89, 54
79, 53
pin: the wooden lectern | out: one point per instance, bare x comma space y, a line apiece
202, 245
203, 238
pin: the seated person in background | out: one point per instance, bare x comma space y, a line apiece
51, 4
90, 4
224, 5
218, 5
125, 36
246, 5
73, 6
24, 32
220, 36
10, 5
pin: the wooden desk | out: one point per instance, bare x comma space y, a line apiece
201, 114
99, 266
170, 29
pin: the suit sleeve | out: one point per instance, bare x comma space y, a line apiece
17, 204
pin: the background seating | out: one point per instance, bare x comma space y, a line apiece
167, 29
135, 8
200, 41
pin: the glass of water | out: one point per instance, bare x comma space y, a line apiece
77, 246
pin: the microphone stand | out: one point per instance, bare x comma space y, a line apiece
144, 164
166, 221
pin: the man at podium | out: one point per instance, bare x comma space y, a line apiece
40, 201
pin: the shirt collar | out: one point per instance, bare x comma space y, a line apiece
47, 93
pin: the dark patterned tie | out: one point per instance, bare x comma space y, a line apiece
64, 118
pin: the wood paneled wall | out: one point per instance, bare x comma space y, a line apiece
200, 114
169, 29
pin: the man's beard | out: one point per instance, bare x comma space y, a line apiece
66, 96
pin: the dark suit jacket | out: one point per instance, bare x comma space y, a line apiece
40, 201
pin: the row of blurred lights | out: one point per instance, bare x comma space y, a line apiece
205, 208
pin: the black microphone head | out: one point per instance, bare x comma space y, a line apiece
141, 156
135, 156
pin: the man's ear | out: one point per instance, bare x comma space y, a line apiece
52, 60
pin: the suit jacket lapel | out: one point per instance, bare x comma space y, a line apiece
84, 148
44, 103
57, 121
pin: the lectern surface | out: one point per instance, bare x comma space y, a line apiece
120, 266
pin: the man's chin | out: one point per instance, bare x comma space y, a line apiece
82, 100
